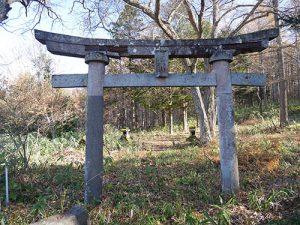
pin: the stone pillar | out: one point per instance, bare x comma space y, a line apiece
94, 127
228, 157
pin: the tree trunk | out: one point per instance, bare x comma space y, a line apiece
260, 99
149, 118
133, 115
281, 73
205, 135
185, 118
298, 90
25, 156
210, 102
171, 125
298, 69
262, 90
210, 91
125, 123
25, 160
143, 120
275, 91
153, 119
164, 118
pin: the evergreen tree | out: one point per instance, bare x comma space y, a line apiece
129, 25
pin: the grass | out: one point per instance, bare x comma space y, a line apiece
160, 179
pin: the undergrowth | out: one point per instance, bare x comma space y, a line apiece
177, 185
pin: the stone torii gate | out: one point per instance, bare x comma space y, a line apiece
97, 52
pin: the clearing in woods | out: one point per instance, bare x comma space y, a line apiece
158, 178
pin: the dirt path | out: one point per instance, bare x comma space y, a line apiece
161, 142
164, 142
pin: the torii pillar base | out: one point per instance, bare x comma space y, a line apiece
228, 157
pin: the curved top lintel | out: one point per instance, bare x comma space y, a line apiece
60, 43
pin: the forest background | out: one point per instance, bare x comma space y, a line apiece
33, 114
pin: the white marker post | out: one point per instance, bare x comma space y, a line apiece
6, 186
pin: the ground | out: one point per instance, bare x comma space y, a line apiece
157, 178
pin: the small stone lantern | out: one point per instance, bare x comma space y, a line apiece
192, 131
125, 134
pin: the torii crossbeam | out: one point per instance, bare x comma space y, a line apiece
97, 53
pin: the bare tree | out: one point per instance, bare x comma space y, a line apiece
290, 15
280, 71
200, 16
39, 8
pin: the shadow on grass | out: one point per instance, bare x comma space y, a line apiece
290, 214
181, 179
151, 179
42, 191
155, 180
155, 184
48, 181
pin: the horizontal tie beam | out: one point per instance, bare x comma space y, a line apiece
248, 79
150, 80
136, 80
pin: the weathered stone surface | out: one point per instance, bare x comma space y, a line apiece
44, 36
228, 156
162, 62
200, 48
136, 80
96, 57
94, 130
76, 216
150, 80
220, 55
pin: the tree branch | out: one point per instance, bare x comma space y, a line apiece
215, 15
150, 4
173, 11
191, 16
200, 18
165, 27
144, 8
257, 17
157, 9
230, 10
244, 22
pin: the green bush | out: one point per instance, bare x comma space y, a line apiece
244, 113
261, 201
294, 109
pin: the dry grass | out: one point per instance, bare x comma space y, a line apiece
169, 183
